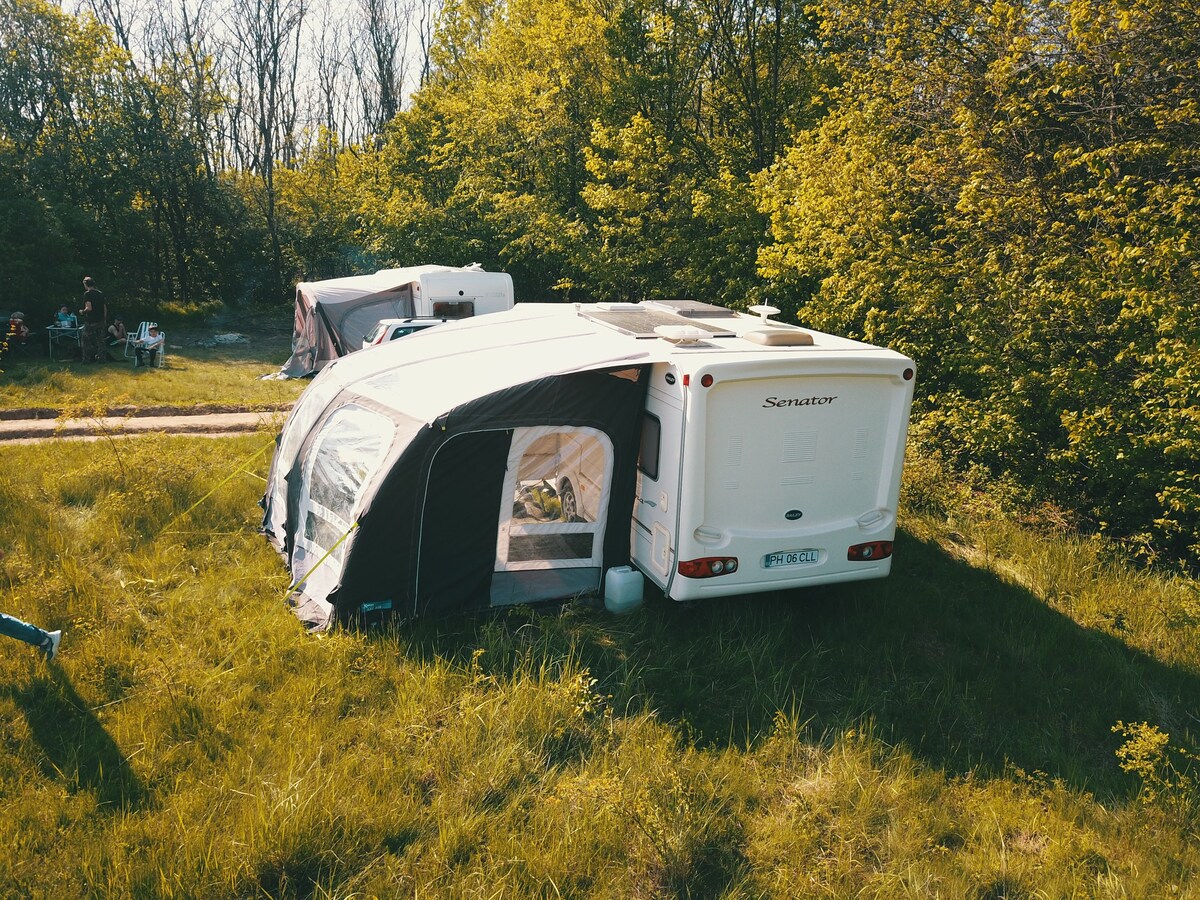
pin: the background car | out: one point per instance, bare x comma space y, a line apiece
390, 329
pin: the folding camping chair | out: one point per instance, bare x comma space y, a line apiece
143, 332
139, 335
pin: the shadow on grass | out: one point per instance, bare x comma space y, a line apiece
77, 750
970, 673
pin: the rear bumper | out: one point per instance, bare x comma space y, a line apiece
753, 579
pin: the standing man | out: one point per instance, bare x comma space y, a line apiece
95, 314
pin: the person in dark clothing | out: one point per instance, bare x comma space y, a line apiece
117, 335
95, 314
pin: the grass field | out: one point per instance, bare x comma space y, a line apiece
948, 731
198, 371
1013, 713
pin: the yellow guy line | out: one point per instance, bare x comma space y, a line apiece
328, 553
240, 468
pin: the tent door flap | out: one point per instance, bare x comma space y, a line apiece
553, 515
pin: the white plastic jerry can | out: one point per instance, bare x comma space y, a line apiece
622, 589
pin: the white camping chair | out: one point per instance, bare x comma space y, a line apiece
143, 332
139, 335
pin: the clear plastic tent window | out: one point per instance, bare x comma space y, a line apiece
559, 482
348, 451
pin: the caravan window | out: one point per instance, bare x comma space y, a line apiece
650, 446
454, 309
347, 452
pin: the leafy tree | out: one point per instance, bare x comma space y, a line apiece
727, 81
108, 168
316, 206
489, 161
1005, 192
705, 94
60, 118
659, 231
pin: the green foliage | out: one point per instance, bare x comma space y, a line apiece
1003, 192
107, 171
1164, 770
594, 151
659, 231
488, 163
59, 112
318, 213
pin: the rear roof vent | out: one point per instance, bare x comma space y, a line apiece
693, 309
641, 320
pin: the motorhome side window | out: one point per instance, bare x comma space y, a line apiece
454, 309
648, 450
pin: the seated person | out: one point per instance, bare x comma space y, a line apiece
64, 319
17, 329
151, 344
117, 335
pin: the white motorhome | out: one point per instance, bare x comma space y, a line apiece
770, 458
721, 453
460, 293
333, 317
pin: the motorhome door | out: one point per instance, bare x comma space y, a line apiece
656, 513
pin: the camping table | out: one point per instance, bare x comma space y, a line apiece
58, 334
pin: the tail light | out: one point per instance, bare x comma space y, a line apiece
869, 552
708, 566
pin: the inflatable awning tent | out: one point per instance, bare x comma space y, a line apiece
416, 478
333, 316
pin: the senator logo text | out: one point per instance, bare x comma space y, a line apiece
796, 401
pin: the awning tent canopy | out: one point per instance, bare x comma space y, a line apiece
333, 316
489, 461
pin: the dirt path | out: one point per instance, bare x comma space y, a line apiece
41, 425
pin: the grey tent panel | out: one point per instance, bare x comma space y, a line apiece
334, 315
515, 588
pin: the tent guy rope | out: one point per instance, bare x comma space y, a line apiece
241, 468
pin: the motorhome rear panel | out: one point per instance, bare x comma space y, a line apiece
794, 472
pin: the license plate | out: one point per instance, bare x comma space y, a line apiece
792, 558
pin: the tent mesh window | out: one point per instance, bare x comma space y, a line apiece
349, 448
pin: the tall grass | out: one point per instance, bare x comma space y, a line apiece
945, 732
193, 375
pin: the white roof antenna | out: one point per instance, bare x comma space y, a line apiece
764, 312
